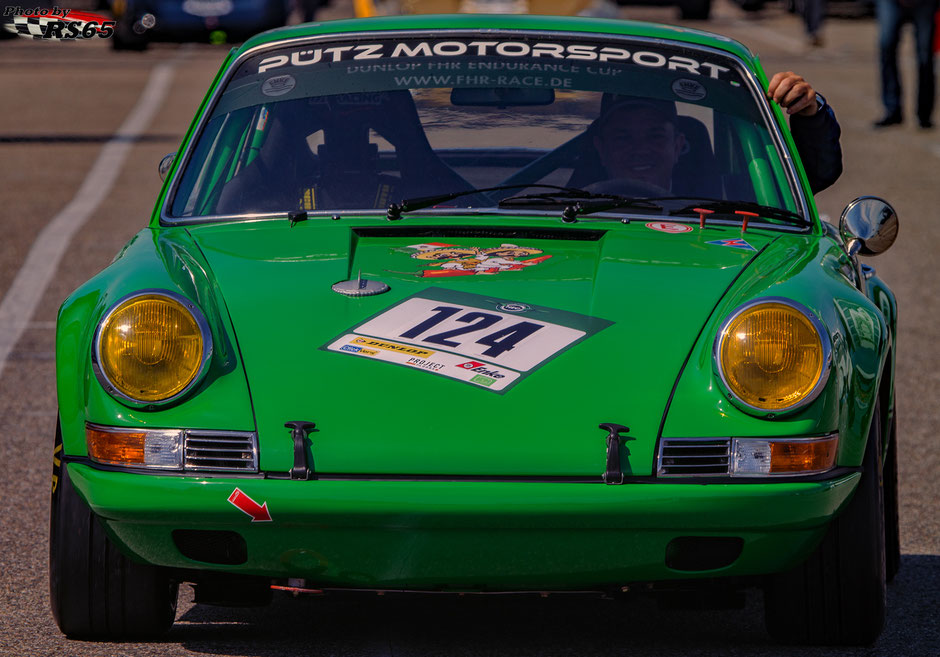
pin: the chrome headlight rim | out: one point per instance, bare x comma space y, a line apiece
207, 348
824, 340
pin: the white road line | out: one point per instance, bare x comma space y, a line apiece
19, 304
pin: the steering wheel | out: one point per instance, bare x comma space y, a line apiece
627, 187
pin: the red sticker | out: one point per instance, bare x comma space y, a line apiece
258, 512
669, 227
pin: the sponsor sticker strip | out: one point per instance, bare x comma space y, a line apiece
454, 366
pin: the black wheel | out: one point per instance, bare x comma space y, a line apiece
695, 10
892, 524
837, 596
95, 591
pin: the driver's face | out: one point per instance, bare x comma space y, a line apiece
638, 144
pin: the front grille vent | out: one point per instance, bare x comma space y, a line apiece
684, 457
221, 451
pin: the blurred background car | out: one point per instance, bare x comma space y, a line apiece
688, 9
217, 21
847, 8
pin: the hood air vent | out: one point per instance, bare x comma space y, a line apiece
684, 457
221, 451
485, 232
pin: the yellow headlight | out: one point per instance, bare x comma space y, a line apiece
772, 356
150, 348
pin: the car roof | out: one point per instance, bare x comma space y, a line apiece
559, 24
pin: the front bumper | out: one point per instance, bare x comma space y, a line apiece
463, 535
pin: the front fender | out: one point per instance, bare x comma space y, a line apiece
168, 260
811, 270
882, 296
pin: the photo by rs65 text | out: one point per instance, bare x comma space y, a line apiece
56, 24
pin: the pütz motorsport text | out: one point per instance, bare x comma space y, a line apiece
577, 52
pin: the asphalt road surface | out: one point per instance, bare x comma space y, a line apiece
62, 104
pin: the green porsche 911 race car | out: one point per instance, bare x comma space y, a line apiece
482, 304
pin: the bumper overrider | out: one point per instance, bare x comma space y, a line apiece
473, 535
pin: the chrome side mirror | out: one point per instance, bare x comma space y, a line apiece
165, 164
868, 226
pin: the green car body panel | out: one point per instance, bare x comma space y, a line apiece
428, 482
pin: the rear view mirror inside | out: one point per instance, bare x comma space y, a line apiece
501, 97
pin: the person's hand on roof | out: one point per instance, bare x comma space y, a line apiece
792, 93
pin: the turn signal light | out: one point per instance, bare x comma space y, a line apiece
814, 456
139, 449
783, 456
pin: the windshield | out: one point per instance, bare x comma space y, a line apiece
354, 125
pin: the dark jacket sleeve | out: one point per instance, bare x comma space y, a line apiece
817, 141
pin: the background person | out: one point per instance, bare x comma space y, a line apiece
892, 15
814, 13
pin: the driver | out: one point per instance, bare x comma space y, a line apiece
638, 139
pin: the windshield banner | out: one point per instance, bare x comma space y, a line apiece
672, 59
679, 73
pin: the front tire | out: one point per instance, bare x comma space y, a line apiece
95, 591
837, 596
892, 516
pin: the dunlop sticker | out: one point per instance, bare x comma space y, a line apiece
454, 366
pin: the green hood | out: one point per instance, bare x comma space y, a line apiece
637, 297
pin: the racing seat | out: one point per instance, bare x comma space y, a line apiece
696, 173
347, 170
267, 183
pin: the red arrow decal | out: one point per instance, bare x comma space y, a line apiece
258, 512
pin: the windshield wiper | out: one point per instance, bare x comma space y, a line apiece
591, 202
395, 210
596, 202
733, 208
579, 202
